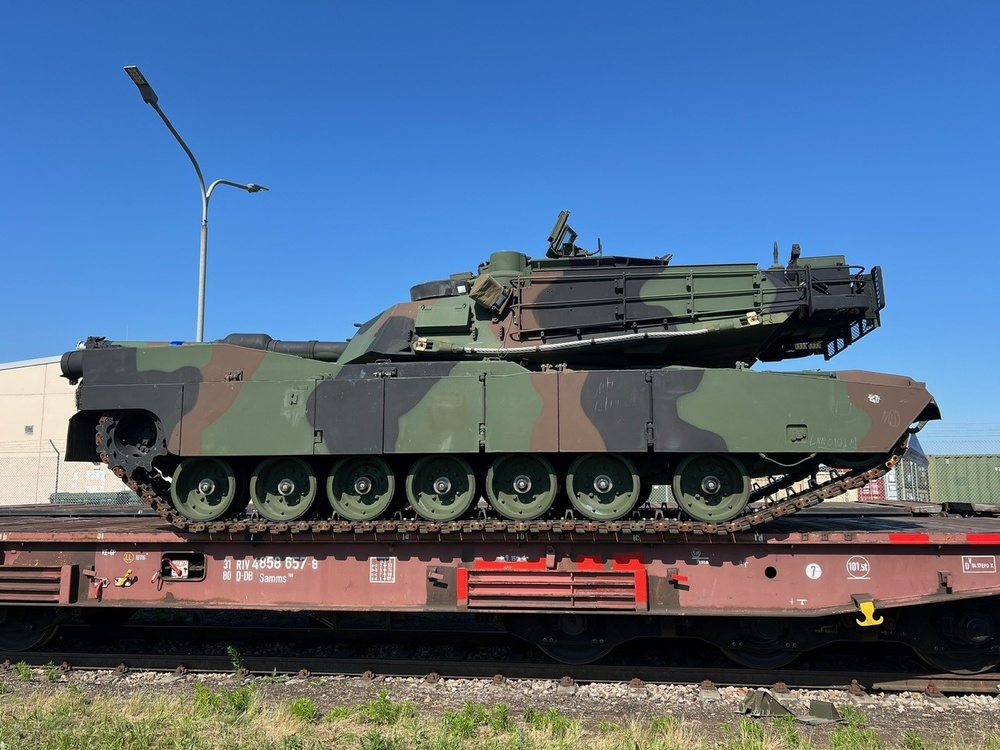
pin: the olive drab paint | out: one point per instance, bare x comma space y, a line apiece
614, 373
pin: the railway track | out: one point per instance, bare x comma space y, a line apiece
372, 654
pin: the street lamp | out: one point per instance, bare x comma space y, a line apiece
149, 96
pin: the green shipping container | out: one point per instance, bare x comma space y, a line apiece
964, 479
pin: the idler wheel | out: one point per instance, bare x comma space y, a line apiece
203, 488
711, 488
603, 486
132, 439
283, 489
360, 489
441, 488
521, 486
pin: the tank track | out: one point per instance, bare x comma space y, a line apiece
767, 503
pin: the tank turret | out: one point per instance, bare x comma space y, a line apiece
590, 310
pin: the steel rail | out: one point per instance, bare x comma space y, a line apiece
434, 669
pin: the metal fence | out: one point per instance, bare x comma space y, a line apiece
958, 465
33, 472
28, 472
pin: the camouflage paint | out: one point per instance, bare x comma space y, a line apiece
246, 402
571, 354
521, 411
746, 313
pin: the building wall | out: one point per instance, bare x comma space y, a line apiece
36, 403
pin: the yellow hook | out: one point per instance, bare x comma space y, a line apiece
868, 609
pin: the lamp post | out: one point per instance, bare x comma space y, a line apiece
149, 96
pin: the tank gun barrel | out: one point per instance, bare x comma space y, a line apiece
73, 362
324, 351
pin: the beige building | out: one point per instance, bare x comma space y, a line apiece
36, 403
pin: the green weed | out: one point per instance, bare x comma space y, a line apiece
274, 678
205, 702
235, 659
337, 713
382, 710
788, 730
466, 723
498, 718
23, 670
235, 703
855, 734
303, 708
241, 700
552, 721
664, 724
375, 740
747, 735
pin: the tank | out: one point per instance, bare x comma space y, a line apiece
535, 394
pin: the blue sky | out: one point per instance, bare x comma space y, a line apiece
402, 142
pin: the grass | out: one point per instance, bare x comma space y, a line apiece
235, 659
855, 733
241, 718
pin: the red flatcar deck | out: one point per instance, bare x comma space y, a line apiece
807, 565
762, 597
874, 527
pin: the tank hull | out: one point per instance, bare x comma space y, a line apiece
220, 400
152, 407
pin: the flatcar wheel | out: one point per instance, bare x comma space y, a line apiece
203, 489
25, 628
712, 488
521, 486
773, 659
441, 488
106, 617
283, 489
575, 652
602, 486
961, 662
360, 489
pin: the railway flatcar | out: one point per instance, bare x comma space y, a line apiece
841, 572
